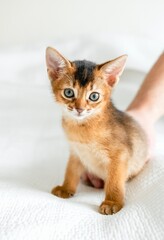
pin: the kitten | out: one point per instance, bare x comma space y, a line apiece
103, 140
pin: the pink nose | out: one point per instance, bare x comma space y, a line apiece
79, 110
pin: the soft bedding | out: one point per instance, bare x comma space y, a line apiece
33, 151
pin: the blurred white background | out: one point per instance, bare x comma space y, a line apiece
33, 21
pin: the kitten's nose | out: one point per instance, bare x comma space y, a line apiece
79, 110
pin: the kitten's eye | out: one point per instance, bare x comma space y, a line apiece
94, 96
68, 92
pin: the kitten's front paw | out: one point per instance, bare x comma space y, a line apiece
62, 192
109, 207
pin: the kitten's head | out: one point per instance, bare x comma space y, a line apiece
82, 87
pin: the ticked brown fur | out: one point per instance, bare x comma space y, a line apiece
103, 140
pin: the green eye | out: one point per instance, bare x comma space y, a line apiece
94, 96
68, 92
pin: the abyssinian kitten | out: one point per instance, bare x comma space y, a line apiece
103, 140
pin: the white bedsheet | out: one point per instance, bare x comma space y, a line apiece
33, 154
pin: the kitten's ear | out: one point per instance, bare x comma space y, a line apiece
113, 69
56, 63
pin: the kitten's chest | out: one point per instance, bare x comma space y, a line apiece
93, 157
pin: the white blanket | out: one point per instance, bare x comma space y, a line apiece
33, 153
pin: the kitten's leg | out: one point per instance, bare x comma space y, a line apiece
114, 188
72, 178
